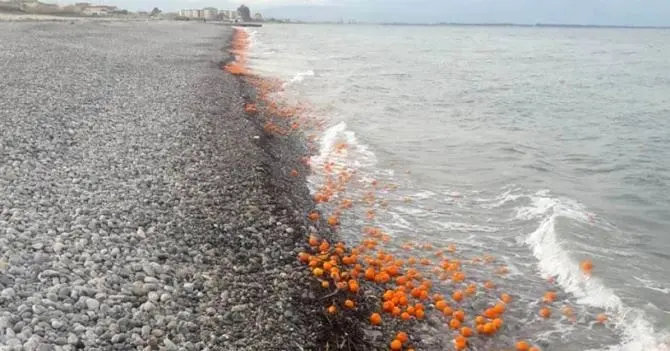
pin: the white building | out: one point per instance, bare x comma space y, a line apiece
190, 13
210, 13
229, 14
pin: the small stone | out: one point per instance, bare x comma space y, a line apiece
169, 345
118, 338
153, 296
8, 293
153, 342
13, 343
188, 287
58, 247
39, 309
146, 331
139, 289
210, 311
165, 297
148, 306
239, 308
72, 339
4, 323
57, 324
150, 280
92, 304
33, 343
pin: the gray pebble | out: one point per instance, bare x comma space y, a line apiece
57, 324
8, 293
239, 308
118, 338
169, 345
13, 343
39, 309
148, 306
92, 304
72, 339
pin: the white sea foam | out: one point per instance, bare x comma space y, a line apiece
464, 227
353, 158
555, 261
299, 77
508, 196
652, 285
251, 33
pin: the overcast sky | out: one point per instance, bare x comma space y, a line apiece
618, 12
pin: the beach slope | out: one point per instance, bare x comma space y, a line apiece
139, 205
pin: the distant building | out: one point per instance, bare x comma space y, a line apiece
210, 13
191, 13
258, 16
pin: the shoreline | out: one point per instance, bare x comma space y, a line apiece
283, 156
337, 326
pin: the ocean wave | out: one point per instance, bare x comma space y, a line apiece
554, 261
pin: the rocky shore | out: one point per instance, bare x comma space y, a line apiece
140, 207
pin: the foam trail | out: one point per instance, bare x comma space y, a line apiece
328, 140
251, 35
299, 77
554, 261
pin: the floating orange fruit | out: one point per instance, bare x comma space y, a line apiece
545, 312
567, 311
549, 296
522, 346
506, 298
586, 266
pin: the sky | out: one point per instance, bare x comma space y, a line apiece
599, 12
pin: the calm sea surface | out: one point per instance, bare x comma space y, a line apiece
539, 146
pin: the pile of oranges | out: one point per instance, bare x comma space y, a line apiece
405, 287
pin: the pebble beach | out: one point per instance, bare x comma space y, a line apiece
140, 207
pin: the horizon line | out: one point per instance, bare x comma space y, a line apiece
482, 24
